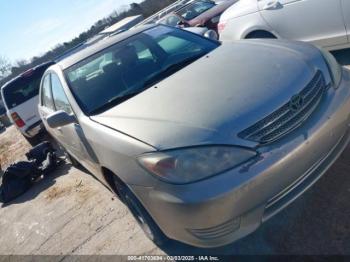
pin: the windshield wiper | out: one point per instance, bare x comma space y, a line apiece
149, 82
113, 102
170, 70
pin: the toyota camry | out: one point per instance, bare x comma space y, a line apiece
202, 140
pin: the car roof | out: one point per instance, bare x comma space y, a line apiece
90, 49
8, 84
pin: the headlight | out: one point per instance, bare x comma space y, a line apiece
334, 68
187, 165
211, 34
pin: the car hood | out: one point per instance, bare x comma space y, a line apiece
211, 100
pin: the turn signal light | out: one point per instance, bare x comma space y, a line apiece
221, 26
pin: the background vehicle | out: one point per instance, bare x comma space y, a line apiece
123, 25
20, 97
160, 14
325, 23
177, 133
204, 13
203, 31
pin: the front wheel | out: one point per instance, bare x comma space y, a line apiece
145, 221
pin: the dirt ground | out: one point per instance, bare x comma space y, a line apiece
12, 147
69, 212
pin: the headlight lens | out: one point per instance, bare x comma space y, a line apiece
215, 19
192, 164
334, 68
211, 34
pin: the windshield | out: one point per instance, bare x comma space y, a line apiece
131, 66
23, 88
192, 11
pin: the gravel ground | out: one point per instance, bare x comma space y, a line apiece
12, 147
71, 213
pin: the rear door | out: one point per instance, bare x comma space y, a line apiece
317, 21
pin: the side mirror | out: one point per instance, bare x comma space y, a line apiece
60, 118
211, 34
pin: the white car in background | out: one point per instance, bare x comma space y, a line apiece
325, 23
20, 97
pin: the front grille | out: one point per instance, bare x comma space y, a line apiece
287, 118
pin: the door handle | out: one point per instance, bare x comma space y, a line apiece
273, 4
59, 129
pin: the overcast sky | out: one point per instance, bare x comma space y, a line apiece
32, 27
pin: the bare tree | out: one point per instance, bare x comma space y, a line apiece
21, 62
5, 67
136, 8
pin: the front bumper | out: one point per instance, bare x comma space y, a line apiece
224, 208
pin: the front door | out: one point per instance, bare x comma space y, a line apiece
72, 136
317, 21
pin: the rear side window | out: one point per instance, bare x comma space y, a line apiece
46, 96
23, 88
59, 97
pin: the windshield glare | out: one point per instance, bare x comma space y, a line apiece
130, 66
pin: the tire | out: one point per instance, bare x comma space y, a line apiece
145, 221
260, 34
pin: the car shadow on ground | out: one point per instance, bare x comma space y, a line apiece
41, 185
